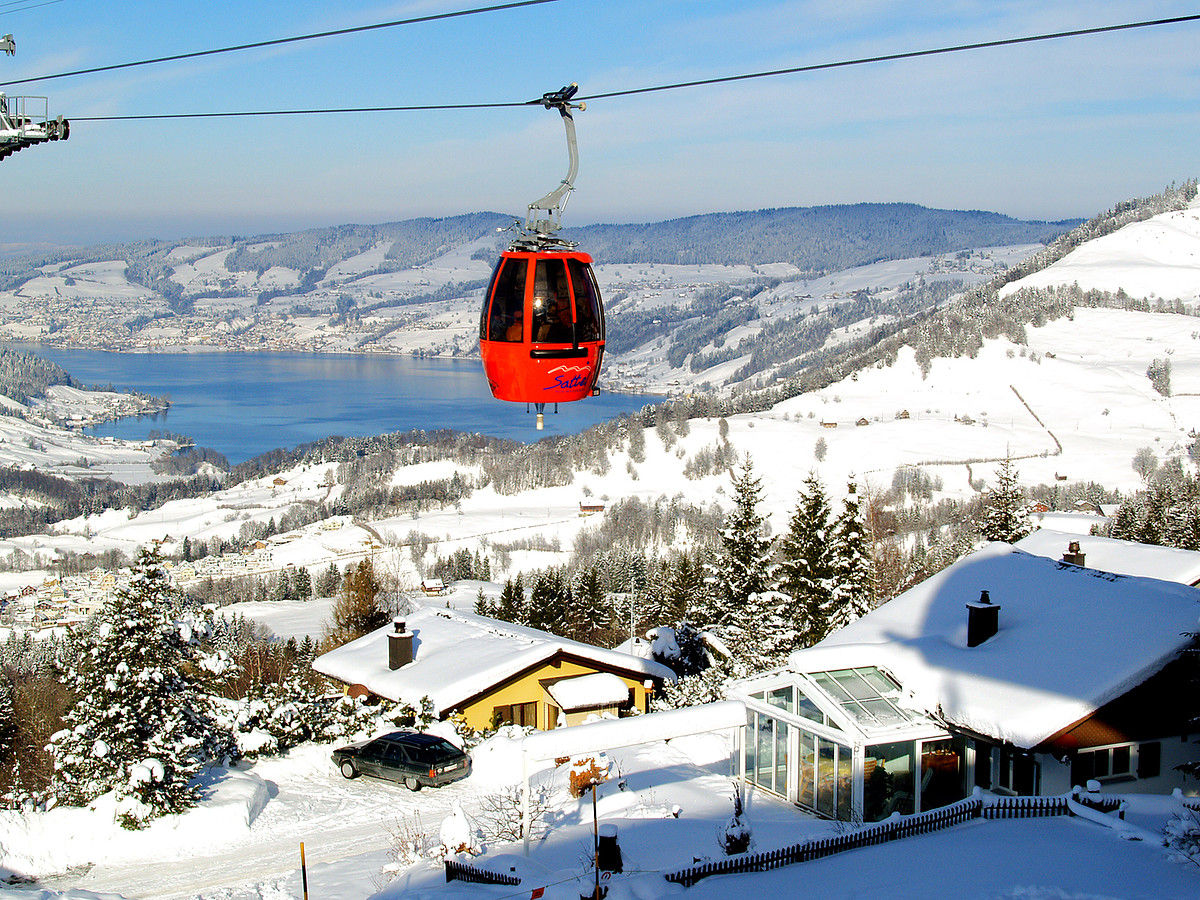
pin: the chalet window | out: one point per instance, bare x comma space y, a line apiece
766, 754
888, 780
868, 695
1120, 762
783, 697
524, 714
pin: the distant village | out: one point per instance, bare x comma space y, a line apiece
64, 603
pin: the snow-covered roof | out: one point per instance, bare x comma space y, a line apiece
457, 655
1070, 640
1122, 557
609, 734
589, 691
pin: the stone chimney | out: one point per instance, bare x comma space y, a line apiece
1073, 554
983, 620
400, 645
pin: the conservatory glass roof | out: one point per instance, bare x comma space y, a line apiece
869, 696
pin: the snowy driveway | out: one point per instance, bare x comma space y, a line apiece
308, 801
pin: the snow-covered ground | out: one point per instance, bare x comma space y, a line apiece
37, 443
1158, 258
668, 802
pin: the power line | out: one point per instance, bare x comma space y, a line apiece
24, 5
859, 61
889, 57
274, 42
301, 112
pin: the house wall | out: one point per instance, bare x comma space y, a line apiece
530, 686
1156, 713
1174, 750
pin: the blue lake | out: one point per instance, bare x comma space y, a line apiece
244, 404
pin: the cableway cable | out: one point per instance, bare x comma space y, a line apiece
22, 5
890, 57
274, 42
859, 61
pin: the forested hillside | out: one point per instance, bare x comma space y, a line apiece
823, 238
23, 375
818, 238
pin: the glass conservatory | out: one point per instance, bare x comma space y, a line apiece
841, 744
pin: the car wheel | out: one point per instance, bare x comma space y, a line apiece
348, 769
411, 782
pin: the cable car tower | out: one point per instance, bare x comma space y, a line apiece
541, 331
25, 121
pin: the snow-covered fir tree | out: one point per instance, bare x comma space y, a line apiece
358, 610
1167, 514
854, 592
807, 570
1005, 512
140, 726
742, 565
8, 729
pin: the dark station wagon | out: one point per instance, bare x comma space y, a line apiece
412, 758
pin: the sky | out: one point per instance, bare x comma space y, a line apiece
1050, 130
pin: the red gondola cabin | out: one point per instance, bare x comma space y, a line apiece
541, 333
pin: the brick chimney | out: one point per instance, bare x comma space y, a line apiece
1073, 555
400, 645
983, 620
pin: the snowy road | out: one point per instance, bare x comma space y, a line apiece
310, 802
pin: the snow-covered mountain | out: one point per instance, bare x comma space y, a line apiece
415, 286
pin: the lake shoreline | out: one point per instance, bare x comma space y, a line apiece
657, 392
246, 403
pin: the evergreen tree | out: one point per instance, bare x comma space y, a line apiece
302, 585
8, 727
283, 587
140, 726
549, 602
329, 581
854, 593
807, 565
742, 565
589, 613
683, 584
482, 606
511, 605
1167, 514
1005, 513
357, 610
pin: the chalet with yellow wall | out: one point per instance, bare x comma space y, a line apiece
493, 672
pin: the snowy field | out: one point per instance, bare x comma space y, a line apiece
243, 844
1156, 258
